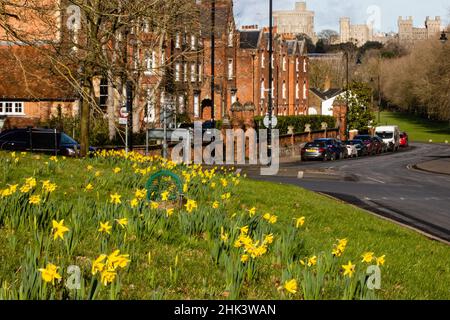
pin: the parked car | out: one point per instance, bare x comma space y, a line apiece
404, 140
317, 151
384, 145
351, 149
369, 143
344, 148
39, 140
335, 147
390, 135
360, 147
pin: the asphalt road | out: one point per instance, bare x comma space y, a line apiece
386, 185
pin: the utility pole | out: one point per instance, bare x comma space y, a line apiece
213, 58
270, 103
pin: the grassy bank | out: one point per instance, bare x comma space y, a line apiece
232, 237
418, 129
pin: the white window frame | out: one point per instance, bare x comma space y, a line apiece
177, 72
193, 42
200, 72
193, 72
151, 114
297, 91
230, 38
196, 105
304, 65
284, 63
181, 104
284, 90
14, 107
233, 97
304, 91
230, 69
149, 60
263, 60
185, 71
263, 89
297, 64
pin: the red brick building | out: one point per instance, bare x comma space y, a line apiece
182, 69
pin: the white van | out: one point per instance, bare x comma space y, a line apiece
390, 136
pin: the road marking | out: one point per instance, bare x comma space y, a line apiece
376, 180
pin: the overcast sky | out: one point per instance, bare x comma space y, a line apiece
384, 13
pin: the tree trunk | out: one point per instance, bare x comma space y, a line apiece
84, 122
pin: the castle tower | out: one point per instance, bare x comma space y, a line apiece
405, 29
433, 26
345, 29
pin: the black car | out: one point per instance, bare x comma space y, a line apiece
360, 147
336, 147
317, 151
39, 140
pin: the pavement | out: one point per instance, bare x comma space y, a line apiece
387, 185
440, 166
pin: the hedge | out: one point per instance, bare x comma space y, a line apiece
299, 122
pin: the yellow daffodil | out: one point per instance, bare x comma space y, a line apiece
185, 188
252, 212
134, 203
98, 173
25, 188
89, 168
98, 265
291, 286
169, 212
349, 269
213, 185
89, 187
312, 261
224, 182
268, 239
117, 170
216, 205
381, 260
154, 205
105, 227
367, 257
50, 273
35, 200
267, 216
244, 230
115, 198
165, 196
122, 222
226, 196
59, 229
299, 222
31, 182
223, 236
140, 194
191, 205
107, 276
245, 258
273, 219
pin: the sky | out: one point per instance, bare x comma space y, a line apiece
384, 13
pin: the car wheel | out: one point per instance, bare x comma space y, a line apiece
333, 157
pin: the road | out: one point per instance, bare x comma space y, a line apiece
386, 185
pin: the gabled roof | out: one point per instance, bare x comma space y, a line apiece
249, 39
326, 95
26, 75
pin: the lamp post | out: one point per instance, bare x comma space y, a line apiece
270, 102
213, 58
347, 97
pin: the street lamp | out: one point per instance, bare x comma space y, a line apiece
270, 102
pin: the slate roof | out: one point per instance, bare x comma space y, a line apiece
249, 39
325, 95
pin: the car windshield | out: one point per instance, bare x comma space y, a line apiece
315, 145
364, 138
66, 140
385, 135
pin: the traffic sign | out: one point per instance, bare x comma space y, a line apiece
267, 122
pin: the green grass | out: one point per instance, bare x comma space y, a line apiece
416, 267
418, 129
